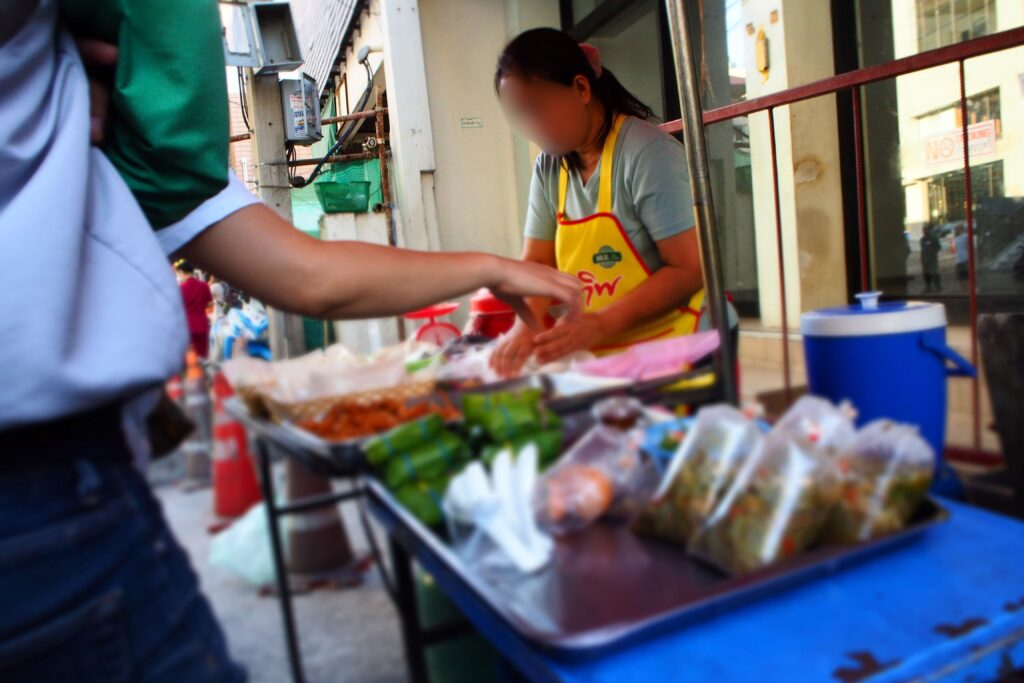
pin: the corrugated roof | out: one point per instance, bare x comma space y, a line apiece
321, 25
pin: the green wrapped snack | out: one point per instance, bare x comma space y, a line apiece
476, 407
401, 439
427, 462
505, 423
423, 500
549, 446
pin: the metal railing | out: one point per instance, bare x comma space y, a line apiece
850, 81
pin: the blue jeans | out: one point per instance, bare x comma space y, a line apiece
93, 587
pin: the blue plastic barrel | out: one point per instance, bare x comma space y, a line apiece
890, 360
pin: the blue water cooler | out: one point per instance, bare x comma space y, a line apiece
890, 360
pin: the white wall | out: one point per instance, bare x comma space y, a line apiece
473, 145
364, 336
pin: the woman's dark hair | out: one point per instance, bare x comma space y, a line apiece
552, 55
186, 268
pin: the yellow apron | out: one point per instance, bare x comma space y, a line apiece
597, 250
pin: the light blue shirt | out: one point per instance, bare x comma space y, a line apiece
89, 308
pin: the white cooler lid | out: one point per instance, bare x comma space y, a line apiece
871, 317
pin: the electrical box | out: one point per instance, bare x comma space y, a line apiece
301, 106
260, 35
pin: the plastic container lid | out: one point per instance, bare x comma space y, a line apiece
871, 317
485, 303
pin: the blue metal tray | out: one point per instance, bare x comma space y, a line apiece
608, 587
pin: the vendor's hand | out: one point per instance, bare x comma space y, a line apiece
515, 349
516, 280
99, 58
578, 334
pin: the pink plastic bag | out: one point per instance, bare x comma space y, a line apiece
654, 359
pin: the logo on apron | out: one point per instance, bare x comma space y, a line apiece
606, 257
593, 287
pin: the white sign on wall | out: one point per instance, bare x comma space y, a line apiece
940, 148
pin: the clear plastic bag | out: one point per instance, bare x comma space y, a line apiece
816, 421
603, 475
774, 509
244, 547
885, 473
702, 469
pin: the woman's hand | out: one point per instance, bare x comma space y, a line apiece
514, 350
581, 333
516, 280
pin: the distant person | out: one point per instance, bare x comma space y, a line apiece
961, 249
930, 248
196, 296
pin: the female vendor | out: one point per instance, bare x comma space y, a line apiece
609, 203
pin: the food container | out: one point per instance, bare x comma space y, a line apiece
890, 359
619, 412
489, 316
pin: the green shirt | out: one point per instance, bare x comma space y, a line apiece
650, 190
169, 129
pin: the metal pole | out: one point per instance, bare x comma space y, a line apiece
787, 373
385, 188
972, 273
284, 592
700, 186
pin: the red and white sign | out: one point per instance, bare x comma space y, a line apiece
941, 148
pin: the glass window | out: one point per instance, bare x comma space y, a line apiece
914, 169
944, 22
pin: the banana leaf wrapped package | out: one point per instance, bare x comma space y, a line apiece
549, 445
885, 475
423, 500
702, 469
475, 407
429, 461
382, 448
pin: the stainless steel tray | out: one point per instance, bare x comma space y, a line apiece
608, 586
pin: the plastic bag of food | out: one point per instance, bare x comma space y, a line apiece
884, 475
427, 462
774, 509
603, 474
702, 469
816, 421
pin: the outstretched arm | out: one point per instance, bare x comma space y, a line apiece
260, 252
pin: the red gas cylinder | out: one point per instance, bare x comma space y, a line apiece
489, 316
